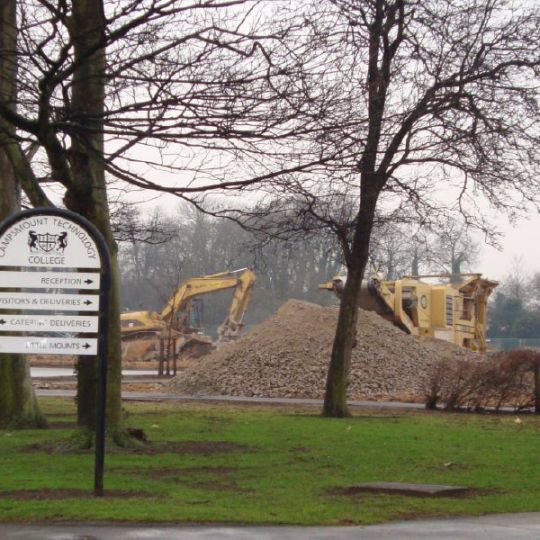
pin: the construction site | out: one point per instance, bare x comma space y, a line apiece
416, 337
405, 328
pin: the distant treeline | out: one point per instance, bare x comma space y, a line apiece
159, 252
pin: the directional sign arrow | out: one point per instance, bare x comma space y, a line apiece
48, 345
48, 302
49, 323
50, 280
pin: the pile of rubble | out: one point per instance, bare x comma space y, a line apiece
287, 356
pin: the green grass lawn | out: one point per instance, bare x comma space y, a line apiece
214, 463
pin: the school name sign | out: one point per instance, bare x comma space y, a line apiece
55, 279
48, 241
47, 251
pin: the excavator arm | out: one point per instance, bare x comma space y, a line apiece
181, 300
241, 280
232, 325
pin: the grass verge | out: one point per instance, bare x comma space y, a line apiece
214, 463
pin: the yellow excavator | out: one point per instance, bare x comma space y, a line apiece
143, 330
452, 312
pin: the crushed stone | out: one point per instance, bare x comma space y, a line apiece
287, 356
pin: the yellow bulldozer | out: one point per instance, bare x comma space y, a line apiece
142, 331
447, 311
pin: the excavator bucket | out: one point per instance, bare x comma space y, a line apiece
196, 346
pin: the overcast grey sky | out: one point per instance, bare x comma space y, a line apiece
521, 244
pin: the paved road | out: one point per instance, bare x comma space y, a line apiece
495, 527
50, 372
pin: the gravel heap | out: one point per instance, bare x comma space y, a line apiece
287, 356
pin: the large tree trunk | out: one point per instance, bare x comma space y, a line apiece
335, 399
89, 198
372, 180
18, 405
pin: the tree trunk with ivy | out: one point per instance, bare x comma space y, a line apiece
18, 405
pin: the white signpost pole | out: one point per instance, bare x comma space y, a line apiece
43, 252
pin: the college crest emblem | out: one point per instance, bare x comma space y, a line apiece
47, 243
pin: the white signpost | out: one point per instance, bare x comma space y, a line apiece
47, 257
45, 246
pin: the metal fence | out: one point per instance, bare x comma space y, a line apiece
505, 344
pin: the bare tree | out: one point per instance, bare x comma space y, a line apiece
452, 249
397, 249
109, 87
517, 283
535, 289
201, 245
428, 106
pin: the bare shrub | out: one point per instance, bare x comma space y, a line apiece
505, 379
434, 384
